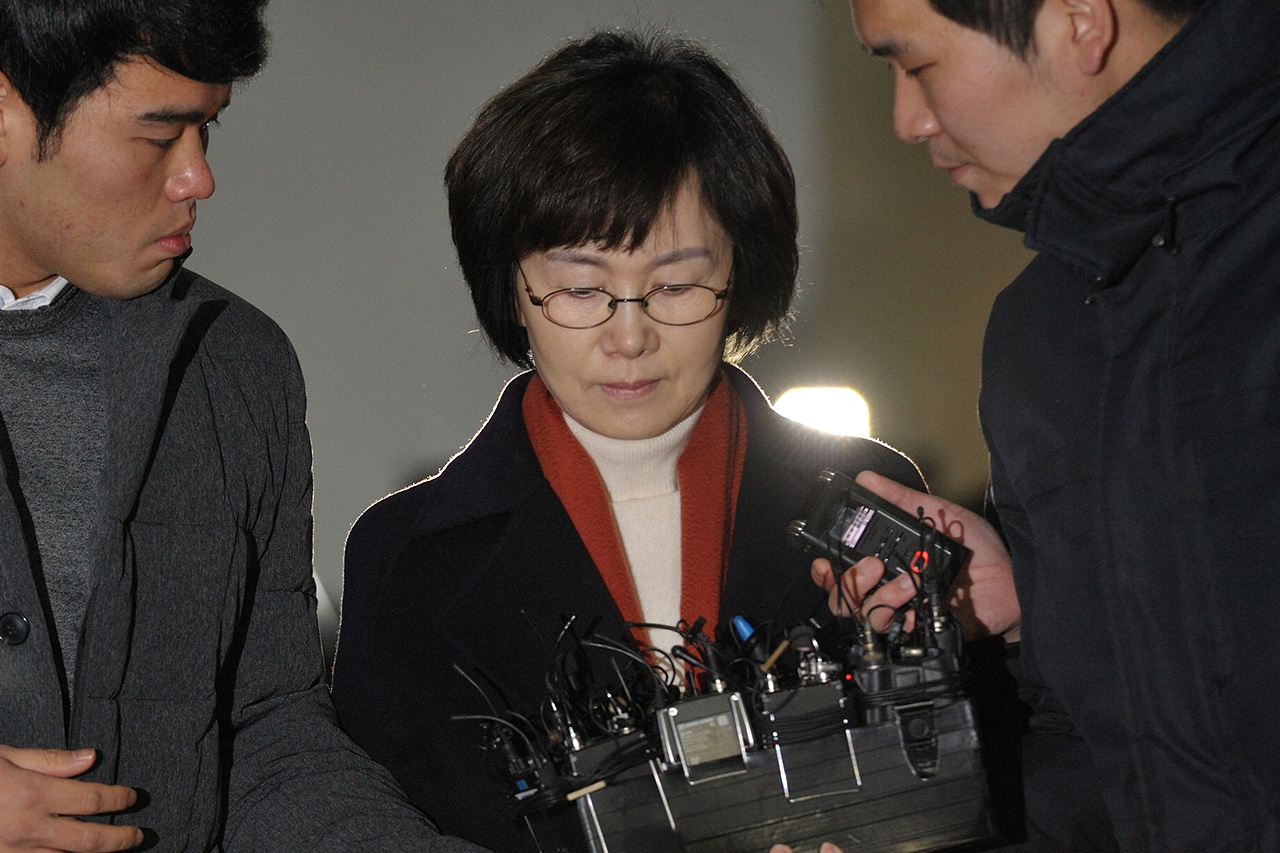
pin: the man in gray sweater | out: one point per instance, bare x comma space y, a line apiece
160, 670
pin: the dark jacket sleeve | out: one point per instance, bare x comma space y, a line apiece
297, 782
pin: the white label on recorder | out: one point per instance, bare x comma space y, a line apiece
858, 526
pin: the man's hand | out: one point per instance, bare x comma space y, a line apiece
982, 597
827, 847
40, 802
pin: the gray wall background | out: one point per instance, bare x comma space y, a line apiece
330, 216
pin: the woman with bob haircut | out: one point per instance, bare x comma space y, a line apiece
626, 224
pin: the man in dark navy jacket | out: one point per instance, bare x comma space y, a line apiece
1130, 396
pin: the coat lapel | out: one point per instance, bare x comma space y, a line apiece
152, 342
533, 565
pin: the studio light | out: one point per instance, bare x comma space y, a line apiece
841, 411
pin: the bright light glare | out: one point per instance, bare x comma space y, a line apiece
841, 411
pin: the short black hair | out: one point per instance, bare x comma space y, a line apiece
591, 146
55, 52
1011, 22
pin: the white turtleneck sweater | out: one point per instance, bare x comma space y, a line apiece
640, 477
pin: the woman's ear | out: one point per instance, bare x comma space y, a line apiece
518, 302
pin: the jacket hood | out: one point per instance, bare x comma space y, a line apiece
1104, 192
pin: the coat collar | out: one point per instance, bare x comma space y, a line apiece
1107, 190
494, 473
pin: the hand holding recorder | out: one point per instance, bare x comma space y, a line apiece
982, 596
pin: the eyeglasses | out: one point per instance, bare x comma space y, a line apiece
670, 305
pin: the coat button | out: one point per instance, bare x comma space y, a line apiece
14, 629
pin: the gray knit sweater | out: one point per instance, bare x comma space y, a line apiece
53, 423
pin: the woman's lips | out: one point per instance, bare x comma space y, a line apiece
628, 390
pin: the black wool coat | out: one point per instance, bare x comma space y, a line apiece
480, 565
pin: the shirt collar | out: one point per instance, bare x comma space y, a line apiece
36, 299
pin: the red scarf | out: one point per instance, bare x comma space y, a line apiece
709, 472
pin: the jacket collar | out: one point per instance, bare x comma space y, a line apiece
494, 473
1109, 189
